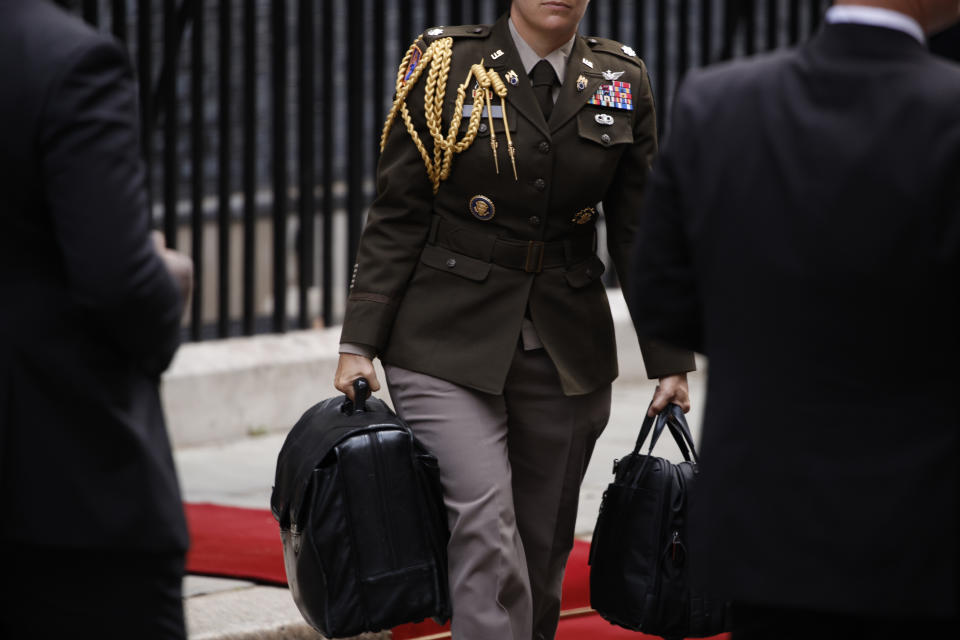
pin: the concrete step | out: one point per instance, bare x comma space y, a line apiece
218, 609
225, 390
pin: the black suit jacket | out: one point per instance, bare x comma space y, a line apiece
89, 315
947, 43
803, 231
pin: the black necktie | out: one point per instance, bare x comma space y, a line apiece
544, 79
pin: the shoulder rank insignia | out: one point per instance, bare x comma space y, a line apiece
415, 55
616, 94
612, 75
482, 208
436, 31
628, 50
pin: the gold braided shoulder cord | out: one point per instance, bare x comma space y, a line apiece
437, 57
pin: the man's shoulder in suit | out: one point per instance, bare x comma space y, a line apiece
41, 37
719, 88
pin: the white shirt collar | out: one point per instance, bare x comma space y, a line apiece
529, 58
876, 17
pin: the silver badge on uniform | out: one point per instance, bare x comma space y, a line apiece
604, 118
612, 75
629, 51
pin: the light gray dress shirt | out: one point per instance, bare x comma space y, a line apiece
875, 17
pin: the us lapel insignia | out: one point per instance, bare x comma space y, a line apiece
616, 95
496, 54
581, 83
629, 51
584, 216
512, 77
482, 208
588, 63
612, 75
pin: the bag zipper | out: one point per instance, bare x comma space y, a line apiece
381, 490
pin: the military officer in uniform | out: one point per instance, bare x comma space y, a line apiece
478, 286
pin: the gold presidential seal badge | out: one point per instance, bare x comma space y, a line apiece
482, 208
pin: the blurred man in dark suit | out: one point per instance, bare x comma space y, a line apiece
803, 231
947, 43
92, 535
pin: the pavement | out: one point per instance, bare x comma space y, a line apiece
240, 473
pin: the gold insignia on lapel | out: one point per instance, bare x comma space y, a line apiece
581, 83
482, 208
512, 77
584, 216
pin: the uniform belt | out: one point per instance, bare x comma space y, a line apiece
532, 256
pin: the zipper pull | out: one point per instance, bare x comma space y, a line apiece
678, 553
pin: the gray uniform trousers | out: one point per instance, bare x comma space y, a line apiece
511, 467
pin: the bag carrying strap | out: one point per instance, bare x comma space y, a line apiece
673, 419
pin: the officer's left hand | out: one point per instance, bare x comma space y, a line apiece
671, 389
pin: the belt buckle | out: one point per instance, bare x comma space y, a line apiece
534, 261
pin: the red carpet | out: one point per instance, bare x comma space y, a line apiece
235, 543
245, 543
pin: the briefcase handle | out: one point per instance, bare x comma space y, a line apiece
673, 419
361, 391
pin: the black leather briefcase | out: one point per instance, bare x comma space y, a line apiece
362, 519
639, 575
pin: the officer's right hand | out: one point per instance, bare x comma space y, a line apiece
349, 368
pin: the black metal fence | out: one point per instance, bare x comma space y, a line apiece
262, 120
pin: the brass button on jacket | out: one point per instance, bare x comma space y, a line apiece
419, 312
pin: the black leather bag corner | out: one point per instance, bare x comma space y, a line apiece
362, 520
639, 575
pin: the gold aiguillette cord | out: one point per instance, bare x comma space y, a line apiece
501, 90
484, 81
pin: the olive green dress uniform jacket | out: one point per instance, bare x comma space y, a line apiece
440, 291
